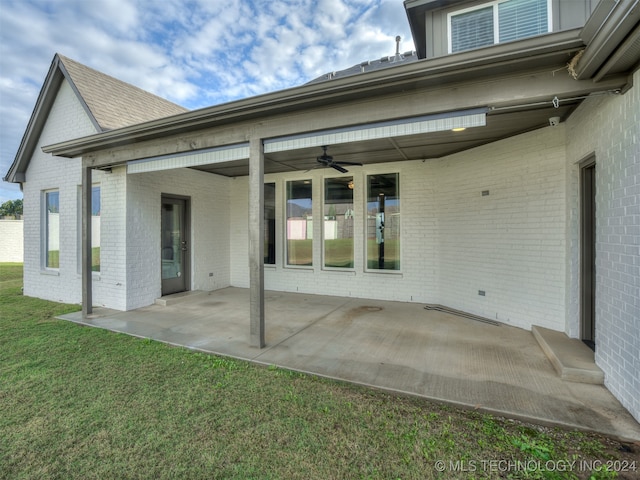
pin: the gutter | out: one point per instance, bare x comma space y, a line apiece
607, 28
438, 70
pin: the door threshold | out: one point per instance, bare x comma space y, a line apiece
174, 298
590, 343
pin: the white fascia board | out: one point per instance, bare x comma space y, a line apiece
207, 156
372, 131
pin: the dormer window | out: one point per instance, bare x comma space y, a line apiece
497, 22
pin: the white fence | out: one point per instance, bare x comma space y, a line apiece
11, 241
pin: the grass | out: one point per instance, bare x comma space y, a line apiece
80, 402
338, 253
300, 252
53, 259
391, 254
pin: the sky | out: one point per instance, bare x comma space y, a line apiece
196, 53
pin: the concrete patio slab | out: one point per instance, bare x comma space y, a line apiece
394, 346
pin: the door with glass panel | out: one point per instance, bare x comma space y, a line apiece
174, 245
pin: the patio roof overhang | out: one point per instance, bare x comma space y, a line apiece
548, 53
229, 158
515, 83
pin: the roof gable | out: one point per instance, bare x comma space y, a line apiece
109, 103
112, 102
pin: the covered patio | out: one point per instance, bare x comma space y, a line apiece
424, 112
395, 346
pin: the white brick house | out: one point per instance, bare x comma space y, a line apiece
492, 220
75, 101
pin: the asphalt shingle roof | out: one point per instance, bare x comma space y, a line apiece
369, 66
114, 103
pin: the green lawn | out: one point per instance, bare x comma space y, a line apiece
338, 253
53, 259
391, 254
79, 402
300, 252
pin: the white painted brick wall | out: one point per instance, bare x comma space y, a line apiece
11, 241
109, 288
454, 241
128, 277
609, 127
510, 243
66, 120
209, 231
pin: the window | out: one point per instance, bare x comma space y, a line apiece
472, 29
338, 222
52, 229
496, 22
96, 229
270, 224
299, 223
383, 222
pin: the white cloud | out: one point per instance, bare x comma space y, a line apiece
195, 52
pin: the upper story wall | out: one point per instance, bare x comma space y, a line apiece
430, 20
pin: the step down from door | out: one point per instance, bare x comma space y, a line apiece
179, 297
571, 358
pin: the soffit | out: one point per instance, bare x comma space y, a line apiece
612, 37
499, 125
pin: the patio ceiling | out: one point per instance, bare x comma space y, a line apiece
500, 124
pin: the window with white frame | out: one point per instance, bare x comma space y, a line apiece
51, 229
497, 22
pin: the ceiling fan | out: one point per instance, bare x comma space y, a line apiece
327, 161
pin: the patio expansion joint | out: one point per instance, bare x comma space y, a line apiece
267, 349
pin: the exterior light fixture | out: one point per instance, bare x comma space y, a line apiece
459, 129
350, 185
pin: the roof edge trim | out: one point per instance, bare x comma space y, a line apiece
46, 97
301, 96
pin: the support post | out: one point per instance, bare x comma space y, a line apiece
87, 293
256, 242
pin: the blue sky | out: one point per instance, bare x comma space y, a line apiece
196, 53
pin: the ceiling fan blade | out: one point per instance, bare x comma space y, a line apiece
339, 168
350, 163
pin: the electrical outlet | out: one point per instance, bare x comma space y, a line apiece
481, 293
211, 274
